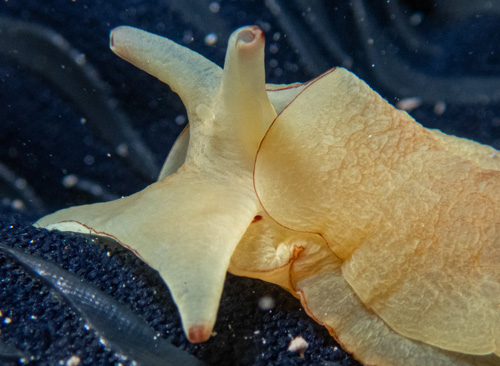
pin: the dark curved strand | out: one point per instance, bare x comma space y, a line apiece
119, 328
299, 38
411, 38
11, 356
197, 13
453, 9
400, 79
92, 189
48, 54
321, 25
27, 194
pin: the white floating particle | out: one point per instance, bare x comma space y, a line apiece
278, 71
266, 303
214, 7
73, 361
298, 345
273, 48
81, 59
17, 204
210, 39
180, 119
265, 26
88, 160
409, 104
416, 18
188, 37
439, 108
20, 183
122, 150
69, 181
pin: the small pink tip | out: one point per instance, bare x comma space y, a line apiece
111, 40
117, 35
112, 36
199, 333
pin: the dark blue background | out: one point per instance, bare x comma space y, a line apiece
42, 140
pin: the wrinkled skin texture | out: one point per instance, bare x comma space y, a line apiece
387, 232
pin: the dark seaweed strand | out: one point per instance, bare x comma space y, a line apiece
117, 326
90, 187
48, 54
299, 38
22, 189
410, 37
9, 355
453, 9
197, 13
399, 78
324, 33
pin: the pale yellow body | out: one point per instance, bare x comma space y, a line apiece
387, 232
